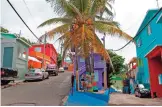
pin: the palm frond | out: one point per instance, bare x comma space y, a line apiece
62, 37
103, 51
59, 30
59, 6
55, 20
111, 30
111, 23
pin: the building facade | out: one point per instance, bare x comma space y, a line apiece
47, 52
148, 47
98, 69
14, 53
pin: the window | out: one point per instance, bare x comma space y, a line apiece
38, 49
82, 60
149, 30
160, 79
22, 53
139, 42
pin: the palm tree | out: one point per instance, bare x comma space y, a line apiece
80, 20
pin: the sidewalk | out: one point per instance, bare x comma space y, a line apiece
16, 82
120, 99
87, 99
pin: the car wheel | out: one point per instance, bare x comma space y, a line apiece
25, 81
48, 77
5, 82
42, 78
139, 94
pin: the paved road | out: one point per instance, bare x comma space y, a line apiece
119, 99
49, 92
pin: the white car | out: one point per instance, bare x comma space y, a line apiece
36, 74
61, 69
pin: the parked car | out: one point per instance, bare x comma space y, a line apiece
142, 91
7, 75
36, 74
61, 69
52, 69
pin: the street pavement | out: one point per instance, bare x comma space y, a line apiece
119, 99
49, 92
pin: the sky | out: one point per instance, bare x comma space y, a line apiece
129, 13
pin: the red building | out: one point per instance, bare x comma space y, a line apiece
37, 51
155, 68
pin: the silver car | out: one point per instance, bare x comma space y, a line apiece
61, 69
36, 74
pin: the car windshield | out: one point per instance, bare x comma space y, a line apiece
141, 86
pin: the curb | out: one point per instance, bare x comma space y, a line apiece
11, 84
64, 100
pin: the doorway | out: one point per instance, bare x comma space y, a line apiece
8, 57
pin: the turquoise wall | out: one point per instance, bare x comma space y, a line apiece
145, 43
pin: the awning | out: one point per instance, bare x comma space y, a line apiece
33, 59
39, 56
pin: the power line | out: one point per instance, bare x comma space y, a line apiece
22, 19
138, 32
31, 14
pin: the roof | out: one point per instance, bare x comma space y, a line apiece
8, 35
13, 36
25, 43
150, 15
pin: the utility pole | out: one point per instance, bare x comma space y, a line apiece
105, 70
20, 34
43, 65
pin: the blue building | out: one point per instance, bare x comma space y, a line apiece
149, 51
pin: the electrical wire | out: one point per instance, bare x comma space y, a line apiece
31, 14
22, 20
138, 32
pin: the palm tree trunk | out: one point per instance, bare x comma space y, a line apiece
87, 64
77, 72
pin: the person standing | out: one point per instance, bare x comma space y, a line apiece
72, 83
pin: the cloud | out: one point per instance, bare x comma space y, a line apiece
129, 13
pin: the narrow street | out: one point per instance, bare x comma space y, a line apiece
119, 99
49, 92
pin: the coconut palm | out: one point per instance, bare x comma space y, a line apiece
79, 21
